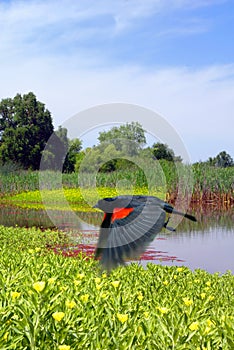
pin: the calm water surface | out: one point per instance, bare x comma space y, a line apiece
207, 244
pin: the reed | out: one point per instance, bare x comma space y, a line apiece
206, 183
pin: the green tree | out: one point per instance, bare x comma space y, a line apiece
128, 138
162, 151
25, 127
222, 160
75, 145
60, 153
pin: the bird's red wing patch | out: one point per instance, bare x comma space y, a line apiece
120, 213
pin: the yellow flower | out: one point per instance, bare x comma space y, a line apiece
187, 301
84, 298
15, 295
203, 295
179, 269
51, 280
139, 329
207, 330
37, 249
77, 282
146, 314
211, 297
39, 286
70, 304
208, 283
98, 286
31, 251
80, 276
64, 347
194, 326
58, 316
115, 283
163, 310
103, 295
140, 296
104, 275
175, 277
5, 336
209, 323
122, 317
165, 283
208, 327
97, 280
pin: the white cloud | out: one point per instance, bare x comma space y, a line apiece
24, 22
198, 103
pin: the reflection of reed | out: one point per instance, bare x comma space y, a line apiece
208, 216
14, 216
91, 218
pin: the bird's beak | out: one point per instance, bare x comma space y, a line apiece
95, 206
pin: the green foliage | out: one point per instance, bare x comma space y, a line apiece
128, 138
49, 301
78, 199
74, 148
217, 180
162, 151
121, 154
165, 178
60, 152
222, 160
25, 126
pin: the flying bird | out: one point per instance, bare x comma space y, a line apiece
130, 223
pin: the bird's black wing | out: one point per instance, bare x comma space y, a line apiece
128, 237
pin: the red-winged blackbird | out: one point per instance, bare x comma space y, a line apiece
130, 223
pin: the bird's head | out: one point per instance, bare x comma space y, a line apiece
106, 204
109, 204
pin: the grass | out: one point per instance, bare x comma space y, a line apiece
205, 182
68, 198
49, 301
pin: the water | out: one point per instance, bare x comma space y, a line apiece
207, 244
211, 249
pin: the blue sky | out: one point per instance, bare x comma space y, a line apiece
175, 57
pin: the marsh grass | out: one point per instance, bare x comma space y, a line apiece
69, 198
49, 301
209, 184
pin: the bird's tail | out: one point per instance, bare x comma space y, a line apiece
169, 209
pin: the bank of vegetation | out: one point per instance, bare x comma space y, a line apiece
49, 301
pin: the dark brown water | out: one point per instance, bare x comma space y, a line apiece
207, 244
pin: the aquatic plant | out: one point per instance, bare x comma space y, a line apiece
49, 301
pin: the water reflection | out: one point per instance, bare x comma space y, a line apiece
207, 244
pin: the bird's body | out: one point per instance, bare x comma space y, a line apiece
130, 223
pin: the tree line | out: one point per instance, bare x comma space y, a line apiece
26, 126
